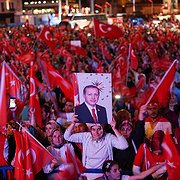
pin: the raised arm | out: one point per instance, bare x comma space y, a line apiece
146, 173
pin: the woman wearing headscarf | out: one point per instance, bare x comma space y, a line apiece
134, 137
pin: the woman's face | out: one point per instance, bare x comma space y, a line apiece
126, 130
97, 132
57, 138
114, 173
48, 130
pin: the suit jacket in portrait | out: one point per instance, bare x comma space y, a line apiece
84, 115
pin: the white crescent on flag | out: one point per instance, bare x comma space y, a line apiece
46, 35
20, 154
32, 153
34, 87
132, 53
103, 30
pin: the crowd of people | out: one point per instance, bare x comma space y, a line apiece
130, 146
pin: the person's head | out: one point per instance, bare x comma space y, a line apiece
152, 109
96, 130
156, 141
45, 112
91, 95
10, 127
50, 126
126, 128
57, 137
111, 170
124, 123
68, 107
80, 127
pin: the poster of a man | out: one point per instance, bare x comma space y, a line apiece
96, 98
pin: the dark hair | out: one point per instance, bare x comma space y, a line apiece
107, 165
90, 86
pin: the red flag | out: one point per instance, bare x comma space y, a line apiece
3, 101
30, 156
65, 86
162, 91
172, 157
34, 99
46, 36
78, 167
11, 86
76, 90
62, 51
133, 59
78, 50
26, 57
106, 30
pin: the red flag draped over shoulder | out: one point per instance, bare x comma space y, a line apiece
65, 86
30, 156
106, 30
46, 36
172, 157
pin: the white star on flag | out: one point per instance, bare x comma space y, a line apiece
171, 164
28, 172
12, 83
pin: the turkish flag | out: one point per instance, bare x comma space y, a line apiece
3, 100
76, 90
133, 59
77, 165
79, 50
172, 157
34, 98
65, 86
106, 30
63, 52
12, 86
26, 57
47, 37
162, 91
30, 156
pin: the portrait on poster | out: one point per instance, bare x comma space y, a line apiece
93, 97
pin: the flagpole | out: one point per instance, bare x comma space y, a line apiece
129, 51
160, 83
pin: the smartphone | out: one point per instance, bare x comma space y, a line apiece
12, 103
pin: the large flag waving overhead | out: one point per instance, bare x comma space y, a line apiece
106, 30
64, 85
162, 91
172, 157
46, 36
30, 156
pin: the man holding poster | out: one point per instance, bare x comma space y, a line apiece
89, 111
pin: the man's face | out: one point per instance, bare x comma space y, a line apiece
97, 132
91, 96
68, 107
152, 111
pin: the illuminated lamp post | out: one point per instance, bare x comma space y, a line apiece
59, 10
